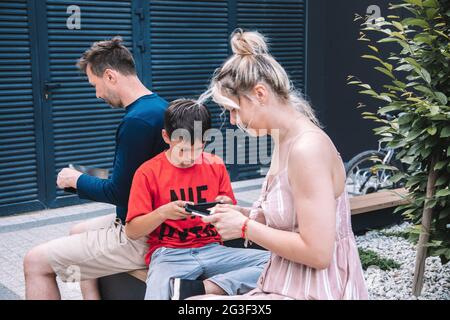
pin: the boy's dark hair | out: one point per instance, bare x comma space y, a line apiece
110, 54
182, 114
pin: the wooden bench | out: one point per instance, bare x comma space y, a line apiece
378, 201
375, 210
368, 211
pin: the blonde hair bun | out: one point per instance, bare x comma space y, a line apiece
248, 43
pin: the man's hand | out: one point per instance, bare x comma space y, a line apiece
173, 211
67, 178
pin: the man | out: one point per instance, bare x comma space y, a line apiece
99, 247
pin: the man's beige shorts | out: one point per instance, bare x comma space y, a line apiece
101, 251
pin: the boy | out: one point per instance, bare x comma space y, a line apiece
182, 248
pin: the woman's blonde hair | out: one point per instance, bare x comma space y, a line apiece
250, 64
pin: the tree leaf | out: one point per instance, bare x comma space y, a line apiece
374, 48
413, 62
441, 181
416, 22
370, 92
445, 132
371, 57
384, 167
398, 25
440, 165
443, 193
400, 84
425, 90
385, 97
431, 4
415, 2
365, 86
431, 13
387, 109
442, 98
442, 34
425, 75
385, 71
393, 88
424, 38
405, 119
397, 177
413, 134
404, 67
432, 131
434, 110
425, 153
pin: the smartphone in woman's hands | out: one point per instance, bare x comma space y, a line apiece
200, 209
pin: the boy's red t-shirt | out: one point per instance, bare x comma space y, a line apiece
158, 182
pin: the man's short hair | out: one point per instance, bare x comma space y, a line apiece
183, 113
110, 54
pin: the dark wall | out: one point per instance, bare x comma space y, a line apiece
333, 54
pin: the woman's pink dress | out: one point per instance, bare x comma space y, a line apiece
284, 279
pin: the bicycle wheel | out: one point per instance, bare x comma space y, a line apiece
363, 178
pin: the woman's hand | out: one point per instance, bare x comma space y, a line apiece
244, 211
227, 221
224, 200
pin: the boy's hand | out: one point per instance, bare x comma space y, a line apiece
173, 211
224, 200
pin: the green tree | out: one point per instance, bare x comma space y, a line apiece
417, 92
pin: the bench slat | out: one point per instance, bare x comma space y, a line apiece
378, 200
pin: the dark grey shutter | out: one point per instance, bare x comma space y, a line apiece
284, 23
18, 160
83, 127
188, 42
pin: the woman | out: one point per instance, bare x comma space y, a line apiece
303, 213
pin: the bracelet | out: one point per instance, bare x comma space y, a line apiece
244, 233
244, 229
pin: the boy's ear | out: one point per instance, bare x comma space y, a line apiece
165, 136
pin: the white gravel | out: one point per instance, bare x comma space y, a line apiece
396, 284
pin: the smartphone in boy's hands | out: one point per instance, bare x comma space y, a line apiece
200, 209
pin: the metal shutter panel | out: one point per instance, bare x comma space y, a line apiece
284, 23
83, 129
18, 161
188, 42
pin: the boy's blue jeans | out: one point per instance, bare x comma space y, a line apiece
235, 270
